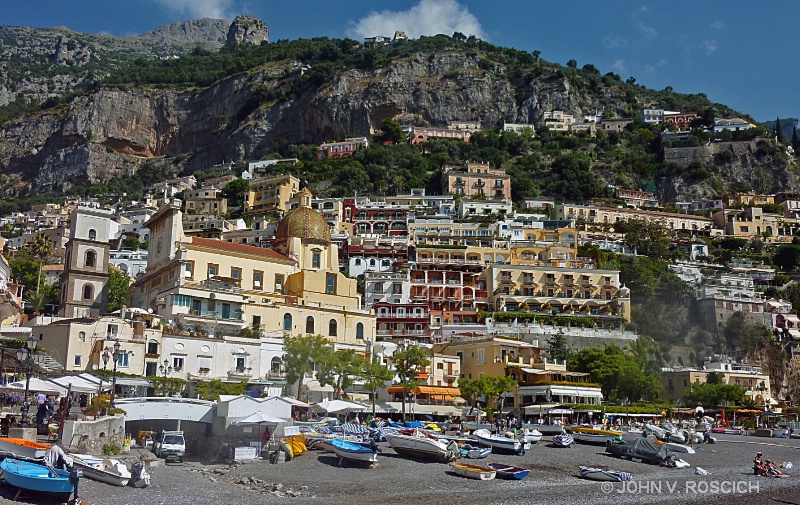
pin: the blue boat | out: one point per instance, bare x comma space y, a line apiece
360, 454
37, 479
508, 472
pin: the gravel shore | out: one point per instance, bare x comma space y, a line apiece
315, 477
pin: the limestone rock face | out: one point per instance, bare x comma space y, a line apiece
247, 30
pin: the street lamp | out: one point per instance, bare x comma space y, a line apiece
106, 356
116, 354
165, 369
25, 356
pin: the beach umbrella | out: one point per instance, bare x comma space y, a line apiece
334, 406
38, 386
258, 418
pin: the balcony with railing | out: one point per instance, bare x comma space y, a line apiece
240, 372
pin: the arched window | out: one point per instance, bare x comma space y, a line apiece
360, 331
88, 292
332, 326
91, 259
309, 324
287, 322
92, 234
275, 366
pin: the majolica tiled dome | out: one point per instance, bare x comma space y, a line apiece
304, 222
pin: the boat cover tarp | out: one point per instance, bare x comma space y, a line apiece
643, 449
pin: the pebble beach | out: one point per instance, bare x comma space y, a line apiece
315, 477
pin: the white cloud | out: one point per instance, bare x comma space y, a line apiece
710, 46
428, 17
195, 9
652, 68
611, 41
717, 25
619, 66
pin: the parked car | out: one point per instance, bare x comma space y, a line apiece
170, 445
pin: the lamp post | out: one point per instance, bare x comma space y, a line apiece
106, 356
116, 354
26, 356
165, 369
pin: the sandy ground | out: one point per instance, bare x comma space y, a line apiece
315, 477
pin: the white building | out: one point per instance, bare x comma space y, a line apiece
467, 208
130, 262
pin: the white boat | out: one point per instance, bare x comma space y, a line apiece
420, 446
594, 436
353, 452
473, 471
685, 449
532, 436
603, 474
105, 470
500, 444
23, 448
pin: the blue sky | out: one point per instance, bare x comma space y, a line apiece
738, 54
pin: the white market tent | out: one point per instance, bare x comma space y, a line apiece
38, 386
336, 406
258, 418
79, 384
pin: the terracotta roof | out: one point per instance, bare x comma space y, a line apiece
53, 268
239, 248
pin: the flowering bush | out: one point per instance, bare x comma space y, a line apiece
11, 399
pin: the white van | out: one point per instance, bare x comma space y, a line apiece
170, 445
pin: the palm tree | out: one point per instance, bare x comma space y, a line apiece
38, 300
40, 248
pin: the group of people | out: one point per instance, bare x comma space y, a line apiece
766, 468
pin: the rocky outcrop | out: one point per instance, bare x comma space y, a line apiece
247, 30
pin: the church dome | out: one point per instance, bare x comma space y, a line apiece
305, 223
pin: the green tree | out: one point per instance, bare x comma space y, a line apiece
338, 369
779, 132
375, 375
118, 283
714, 395
795, 141
392, 131
572, 64
37, 299
40, 249
787, 256
26, 269
646, 237
301, 352
408, 360
234, 192
618, 373
491, 387
560, 350
211, 390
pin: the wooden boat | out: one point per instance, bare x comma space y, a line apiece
24, 448
105, 470
500, 444
508, 472
420, 446
476, 472
563, 440
602, 474
38, 479
594, 436
353, 452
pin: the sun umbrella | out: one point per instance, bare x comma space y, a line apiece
332, 406
38, 386
259, 418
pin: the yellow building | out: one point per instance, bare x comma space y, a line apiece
746, 199
489, 355
753, 222
270, 195
220, 287
477, 179
675, 382
567, 291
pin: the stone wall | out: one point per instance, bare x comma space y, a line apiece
89, 437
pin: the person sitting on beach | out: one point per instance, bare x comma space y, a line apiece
773, 470
758, 462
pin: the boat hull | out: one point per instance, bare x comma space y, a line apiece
500, 445
587, 438
101, 474
563, 440
509, 472
24, 448
423, 448
37, 479
354, 453
473, 471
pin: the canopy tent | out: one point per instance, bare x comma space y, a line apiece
79, 384
295, 402
259, 418
336, 406
38, 386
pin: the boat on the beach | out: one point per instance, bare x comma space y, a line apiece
420, 446
603, 474
476, 472
588, 435
532, 436
682, 448
508, 472
475, 451
644, 450
501, 444
353, 452
726, 431
24, 448
563, 440
106, 470
544, 429
38, 479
